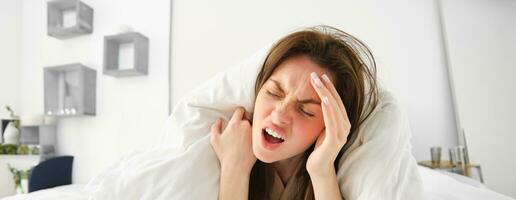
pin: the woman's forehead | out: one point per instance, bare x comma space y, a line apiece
295, 72
293, 76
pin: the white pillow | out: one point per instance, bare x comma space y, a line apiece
379, 164
219, 96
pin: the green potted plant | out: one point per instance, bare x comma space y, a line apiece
9, 149
21, 178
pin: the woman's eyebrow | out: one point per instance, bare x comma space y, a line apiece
278, 85
300, 101
308, 101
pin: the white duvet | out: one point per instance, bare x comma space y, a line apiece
379, 165
437, 186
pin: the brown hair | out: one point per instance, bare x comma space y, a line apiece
354, 70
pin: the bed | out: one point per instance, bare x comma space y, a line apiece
438, 185
378, 165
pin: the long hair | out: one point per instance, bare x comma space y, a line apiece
354, 70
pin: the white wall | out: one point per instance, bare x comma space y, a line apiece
404, 35
130, 111
10, 29
481, 38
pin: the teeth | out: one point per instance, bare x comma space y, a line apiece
272, 133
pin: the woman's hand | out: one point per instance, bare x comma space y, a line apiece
233, 146
234, 149
337, 127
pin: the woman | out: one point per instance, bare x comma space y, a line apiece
311, 95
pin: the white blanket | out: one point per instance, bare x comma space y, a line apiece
161, 173
379, 166
437, 186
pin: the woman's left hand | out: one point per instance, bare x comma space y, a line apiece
337, 127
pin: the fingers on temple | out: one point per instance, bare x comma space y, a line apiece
330, 117
329, 105
329, 85
323, 91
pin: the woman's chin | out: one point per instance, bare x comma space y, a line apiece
265, 160
264, 157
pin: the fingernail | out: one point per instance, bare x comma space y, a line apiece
316, 79
326, 78
325, 100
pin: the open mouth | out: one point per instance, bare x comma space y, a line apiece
271, 136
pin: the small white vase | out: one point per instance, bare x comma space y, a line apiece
11, 134
25, 185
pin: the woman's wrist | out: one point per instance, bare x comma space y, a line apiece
325, 184
235, 168
236, 175
233, 184
321, 171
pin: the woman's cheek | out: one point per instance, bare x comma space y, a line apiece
308, 134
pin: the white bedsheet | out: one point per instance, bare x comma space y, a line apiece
68, 192
437, 186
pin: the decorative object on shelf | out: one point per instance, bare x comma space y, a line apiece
126, 54
8, 149
68, 18
11, 134
5, 122
70, 90
23, 150
435, 153
457, 155
34, 149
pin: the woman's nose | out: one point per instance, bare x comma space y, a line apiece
281, 114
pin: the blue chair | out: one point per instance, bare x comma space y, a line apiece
50, 173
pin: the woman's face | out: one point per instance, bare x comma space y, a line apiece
287, 115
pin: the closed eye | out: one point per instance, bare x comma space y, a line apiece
273, 94
305, 112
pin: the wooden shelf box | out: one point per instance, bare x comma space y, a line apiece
135, 45
70, 90
68, 18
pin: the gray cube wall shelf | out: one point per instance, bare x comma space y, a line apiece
68, 18
70, 90
43, 135
112, 51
